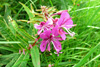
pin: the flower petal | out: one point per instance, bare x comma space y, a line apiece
55, 31
48, 48
58, 38
45, 34
63, 36
57, 45
64, 16
37, 26
69, 24
43, 45
39, 31
49, 22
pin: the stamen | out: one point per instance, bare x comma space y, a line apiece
69, 32
57, 53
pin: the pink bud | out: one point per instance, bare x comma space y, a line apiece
30, 45
19, 51
50, 65
60, 12
30, 54
24, 51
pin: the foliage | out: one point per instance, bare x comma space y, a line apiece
16, 33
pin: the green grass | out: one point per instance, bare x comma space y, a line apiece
82, 50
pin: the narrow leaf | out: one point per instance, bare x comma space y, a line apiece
28, 11
35, 56
81, 62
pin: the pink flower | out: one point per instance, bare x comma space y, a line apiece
65, 22
49, 36
44, 26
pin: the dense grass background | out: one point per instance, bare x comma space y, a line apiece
82, 50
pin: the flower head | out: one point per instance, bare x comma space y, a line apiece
49, 36
65, 22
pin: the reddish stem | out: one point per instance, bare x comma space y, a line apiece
34, 42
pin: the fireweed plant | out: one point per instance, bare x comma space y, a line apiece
53, 30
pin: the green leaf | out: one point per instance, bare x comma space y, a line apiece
35, 56
25, 60
19, 60
12, 29
79, 64
12, 61
4, 59
22, 32
8, 48
7, 13
28, 11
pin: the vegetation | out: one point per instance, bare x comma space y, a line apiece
82, 50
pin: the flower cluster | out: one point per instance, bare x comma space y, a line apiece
52, 31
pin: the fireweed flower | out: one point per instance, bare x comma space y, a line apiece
65, 22
44, 26
49, 31
49, 36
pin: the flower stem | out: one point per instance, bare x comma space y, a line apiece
34, 42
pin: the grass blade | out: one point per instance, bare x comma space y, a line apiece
87, 56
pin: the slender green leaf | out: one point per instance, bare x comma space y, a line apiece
25, 60
28, 11
35, 56
8, 48
16, 64
12, 61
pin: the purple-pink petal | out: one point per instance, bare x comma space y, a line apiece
37, 26
57, 45
58, 38
63, 18
55, 31
48, 48
49, 22
43, 45
63, 36
69, 24
45, 34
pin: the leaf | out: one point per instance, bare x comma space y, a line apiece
8, 48
82, 61
7, 13
12, 29
12, 61
93, 59
22, 32
24, 62
35, 56
19, 61
28, 11
4, 59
